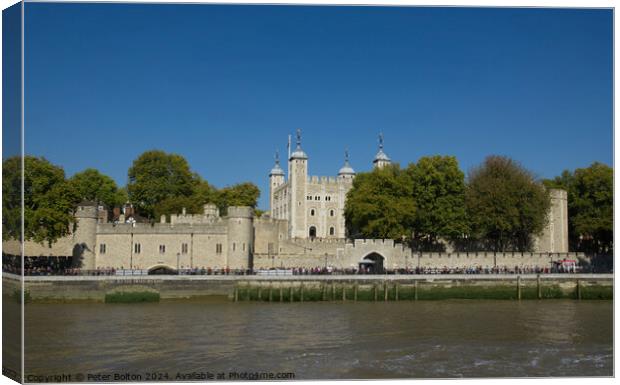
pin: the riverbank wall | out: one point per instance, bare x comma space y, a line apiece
50, 289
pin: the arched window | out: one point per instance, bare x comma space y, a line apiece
312, 212
331, 231
312, 232
331, 213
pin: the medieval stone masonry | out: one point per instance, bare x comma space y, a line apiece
304, 227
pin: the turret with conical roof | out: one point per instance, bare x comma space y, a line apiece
298, 153
298, 180
381, 159
277, 170
346, 171
276, 179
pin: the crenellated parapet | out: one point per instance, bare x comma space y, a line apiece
322, 180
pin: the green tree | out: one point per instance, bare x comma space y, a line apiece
156, 176
49, 200
175, 205
193, 204
380, 204
242, 194
590, 207
439, 194
507, 207
91, 185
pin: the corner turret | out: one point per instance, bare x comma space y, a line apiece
346, 172
381, 159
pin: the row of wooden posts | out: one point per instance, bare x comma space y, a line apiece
396, 287
324, 292
539, 288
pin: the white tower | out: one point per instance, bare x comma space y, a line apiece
381, 160
298, 177
276, 179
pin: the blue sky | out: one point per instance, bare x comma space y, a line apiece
225, 85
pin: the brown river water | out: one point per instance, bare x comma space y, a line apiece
423, 339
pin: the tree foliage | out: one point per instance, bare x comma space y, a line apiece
91, 185
439, 195
380, 204
49, 200
506, 206
242, 194
156, 176
163, 184
590, 207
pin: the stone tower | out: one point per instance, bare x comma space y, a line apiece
554, 238
240, 237
276, 179
85, 236
381, 159
298, 177
345, 182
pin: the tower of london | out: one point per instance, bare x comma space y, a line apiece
304, 227
312, 205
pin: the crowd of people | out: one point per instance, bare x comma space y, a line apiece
440, 270
62, 266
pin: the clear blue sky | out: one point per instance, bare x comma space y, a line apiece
225, 85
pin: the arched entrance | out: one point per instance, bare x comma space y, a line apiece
162, 270
372, 263
312, 232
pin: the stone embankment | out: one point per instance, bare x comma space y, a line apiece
311, 287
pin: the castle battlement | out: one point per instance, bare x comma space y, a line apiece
162, 228
382, 242
327, 180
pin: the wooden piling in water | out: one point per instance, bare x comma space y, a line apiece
415, 290
374, 286
333, 291
301, 292
270, 291
344, 292
355, 292
396, 291
578, 289
260, 292
538, 286
324, 291
519, 287
385, 291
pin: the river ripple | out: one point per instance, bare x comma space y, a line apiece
421, 339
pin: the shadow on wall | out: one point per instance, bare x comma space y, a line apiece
78, 254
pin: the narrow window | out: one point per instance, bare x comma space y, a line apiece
184, 248
162, 249
331, 213
102, 248
234, 246
136, 248
312, 212
218, 248
331, 231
